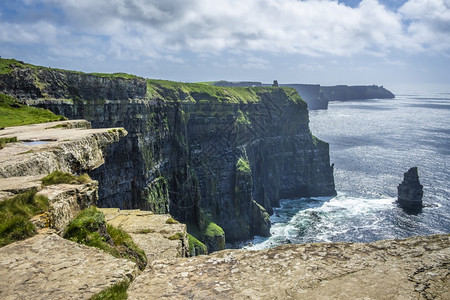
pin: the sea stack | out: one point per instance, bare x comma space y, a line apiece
410, 192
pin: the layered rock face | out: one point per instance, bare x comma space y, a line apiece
410, 191
228, 159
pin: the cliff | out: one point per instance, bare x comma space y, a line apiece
317, 96
312, 94
38, 209
200, 152
344, 92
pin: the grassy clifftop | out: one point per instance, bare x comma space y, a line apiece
202, 92
14, 113
51, 83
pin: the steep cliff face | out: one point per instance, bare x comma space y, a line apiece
199, 152
311, 93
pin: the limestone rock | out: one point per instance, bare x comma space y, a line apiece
43, 148
50, 267
410, 192
67, 201
158, 237
414, 268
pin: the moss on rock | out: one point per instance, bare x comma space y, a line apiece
89, 228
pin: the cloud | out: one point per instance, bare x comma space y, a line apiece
429, 23
154, 29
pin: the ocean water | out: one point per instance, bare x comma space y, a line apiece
372, 143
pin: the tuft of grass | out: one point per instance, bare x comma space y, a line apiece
171, 221
5, 140
15, 214
89, 228
58, 177
117, 292
14, 113
176, 236
196, 247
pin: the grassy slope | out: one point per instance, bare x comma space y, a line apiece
7, 65
15, 214
12, 113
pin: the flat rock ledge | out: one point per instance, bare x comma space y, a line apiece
414, 268
47, 266
157, 235
67, 146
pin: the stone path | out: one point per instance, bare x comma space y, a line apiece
47, 266
415, 268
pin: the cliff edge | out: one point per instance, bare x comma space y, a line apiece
204, 154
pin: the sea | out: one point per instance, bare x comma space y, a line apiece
372, 144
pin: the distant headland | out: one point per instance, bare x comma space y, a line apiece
318, 96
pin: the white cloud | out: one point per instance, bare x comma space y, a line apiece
430, 23
154, 29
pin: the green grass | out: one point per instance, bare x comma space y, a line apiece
201, 92
196, 247
15, 214
7, 64
89, 228
58, 177
171, 221
116, 292
176, 236
13, 113
115, 75
5, 140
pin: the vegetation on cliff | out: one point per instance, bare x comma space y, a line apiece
196, 247
202, 93
15, 214
90, 228
58, 177
6, 140
14, 113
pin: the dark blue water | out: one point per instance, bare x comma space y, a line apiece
372, 143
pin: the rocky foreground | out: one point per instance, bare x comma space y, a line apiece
46, 266
415, 268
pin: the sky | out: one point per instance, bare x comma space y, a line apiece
379, 42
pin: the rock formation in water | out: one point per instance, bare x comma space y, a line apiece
202, 153
410, 191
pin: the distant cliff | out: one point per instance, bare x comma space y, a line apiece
200, 152
317, 96
361, 92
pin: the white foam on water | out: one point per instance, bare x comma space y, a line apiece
325, 220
